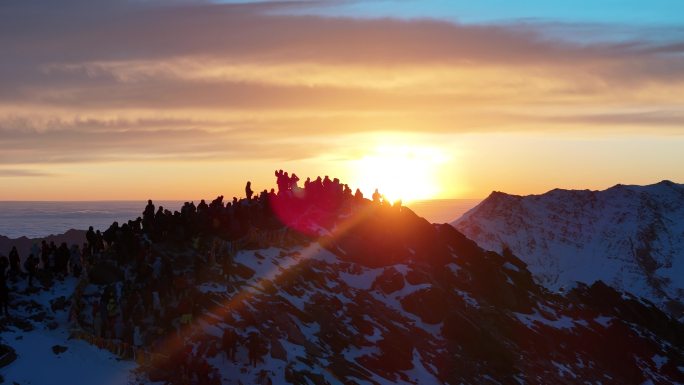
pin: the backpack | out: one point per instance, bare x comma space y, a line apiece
28, 264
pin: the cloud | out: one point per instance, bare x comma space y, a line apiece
14, 173
96, 81
252, 33
93, 140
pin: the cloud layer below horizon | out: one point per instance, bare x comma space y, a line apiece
112, 83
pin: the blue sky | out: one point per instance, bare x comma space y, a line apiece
614, 11
654, 12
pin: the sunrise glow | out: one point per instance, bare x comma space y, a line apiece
405, 173
331, 192
195, 91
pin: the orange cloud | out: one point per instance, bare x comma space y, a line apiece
122, 82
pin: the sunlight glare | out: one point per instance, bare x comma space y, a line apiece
400, 172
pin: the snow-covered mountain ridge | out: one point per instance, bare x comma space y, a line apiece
631, 237
326, 288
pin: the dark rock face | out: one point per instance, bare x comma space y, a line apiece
449, 310
431, 305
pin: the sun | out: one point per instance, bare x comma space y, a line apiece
400, 172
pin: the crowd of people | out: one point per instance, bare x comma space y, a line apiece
46, 260
154, 292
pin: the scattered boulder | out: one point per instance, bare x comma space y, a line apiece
429, 304
389, 281
22, 324
38, 317
59, 349
7, 355
415, 277
243, 271
277, 350
59, 303
31, 290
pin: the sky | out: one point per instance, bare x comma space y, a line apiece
125, 99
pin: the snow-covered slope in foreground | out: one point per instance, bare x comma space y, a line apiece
631, 237
37, 323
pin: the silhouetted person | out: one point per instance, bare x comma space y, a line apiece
202, 207
282, 181
293, 181
62, 258
376, 196
248, 191
264, 379
4, 263
229, 343
4, 293
109, 235
253, 346
91, 238
45, 255
99, 241
74, 262
30, 265
148, 213
14, 261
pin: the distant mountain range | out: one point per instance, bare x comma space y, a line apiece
24, 244
630, 237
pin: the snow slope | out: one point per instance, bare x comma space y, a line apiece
30, 333
446, 315
631, 237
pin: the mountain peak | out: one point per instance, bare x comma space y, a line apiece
628, 236
499, 195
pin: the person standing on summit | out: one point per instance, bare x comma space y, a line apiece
248, 190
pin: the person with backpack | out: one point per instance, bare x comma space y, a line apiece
30, 266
